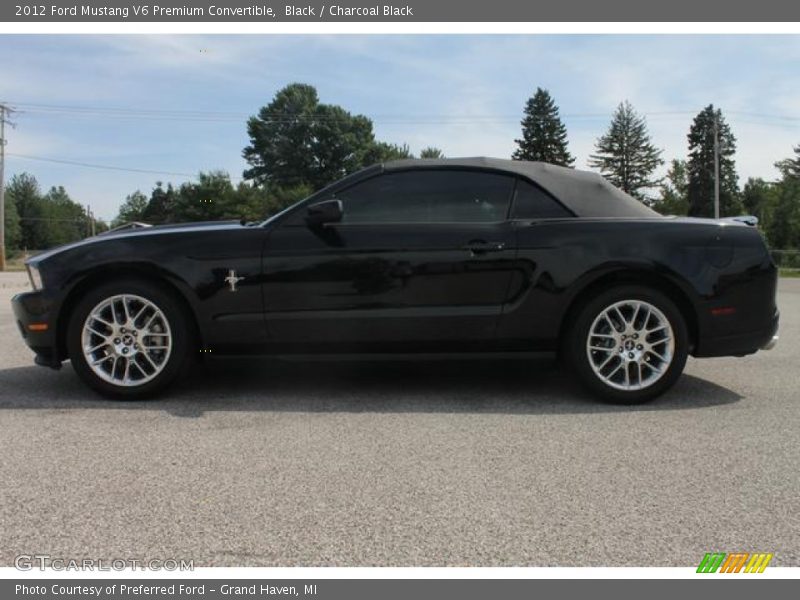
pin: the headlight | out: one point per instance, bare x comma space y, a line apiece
35, 277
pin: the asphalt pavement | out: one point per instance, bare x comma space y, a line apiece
482, 462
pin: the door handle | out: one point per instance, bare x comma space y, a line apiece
482, 247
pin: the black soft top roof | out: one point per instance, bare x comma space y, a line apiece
586, 194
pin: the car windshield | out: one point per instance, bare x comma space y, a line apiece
278, 214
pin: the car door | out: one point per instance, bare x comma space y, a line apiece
419, 256
544, 228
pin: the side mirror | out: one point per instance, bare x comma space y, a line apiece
327, 211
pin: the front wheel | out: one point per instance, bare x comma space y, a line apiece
629, 344
128, 339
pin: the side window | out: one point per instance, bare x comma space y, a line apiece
424, 196
532, 202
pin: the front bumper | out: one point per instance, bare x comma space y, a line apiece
35, 317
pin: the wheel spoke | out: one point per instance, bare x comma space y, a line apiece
150, 360
606, 361
139, 314
94, 331
636, 314
150, 322
601, 348
614, 372
103, 321
657, 355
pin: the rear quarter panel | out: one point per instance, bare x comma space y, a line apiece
713, 264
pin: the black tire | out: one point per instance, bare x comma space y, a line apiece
578, 357
182, 349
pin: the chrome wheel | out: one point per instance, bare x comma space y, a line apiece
126, 340
630, 345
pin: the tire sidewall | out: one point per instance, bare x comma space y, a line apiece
580, 331
172, 311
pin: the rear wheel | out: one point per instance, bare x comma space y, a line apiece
128, 339
629, 344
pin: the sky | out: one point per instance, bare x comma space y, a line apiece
178, 104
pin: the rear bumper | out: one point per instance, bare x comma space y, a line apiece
35, 317
772, 343
740, 344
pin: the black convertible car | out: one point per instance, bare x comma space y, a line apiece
411, 256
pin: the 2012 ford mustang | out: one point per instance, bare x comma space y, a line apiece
458, 255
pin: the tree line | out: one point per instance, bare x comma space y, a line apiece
36, 220
299, 144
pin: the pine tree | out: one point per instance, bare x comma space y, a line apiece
790, 167
701, 166
431, 152
544, 136
626, 155
674, 190
757, 195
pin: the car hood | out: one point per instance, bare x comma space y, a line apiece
144, 232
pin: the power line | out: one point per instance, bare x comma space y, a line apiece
278, 117
95, 166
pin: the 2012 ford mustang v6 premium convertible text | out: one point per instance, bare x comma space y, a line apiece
458, 255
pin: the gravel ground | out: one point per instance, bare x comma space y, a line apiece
441, 462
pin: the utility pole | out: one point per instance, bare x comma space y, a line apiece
91, 226
716, 165
4, 110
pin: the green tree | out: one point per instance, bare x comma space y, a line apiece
625, 154
212, 197
431, 152
383, 152
66, 220
133, 209
13, 232
100, 226
674, 199
295, 140
281, 137
23, 191
340, 146
783, 216
161, 206
783, 228
757, 196
701, 166
279, 198
544, 136
790, 167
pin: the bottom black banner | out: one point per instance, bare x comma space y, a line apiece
390, 589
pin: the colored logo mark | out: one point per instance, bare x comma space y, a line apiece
734, 562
